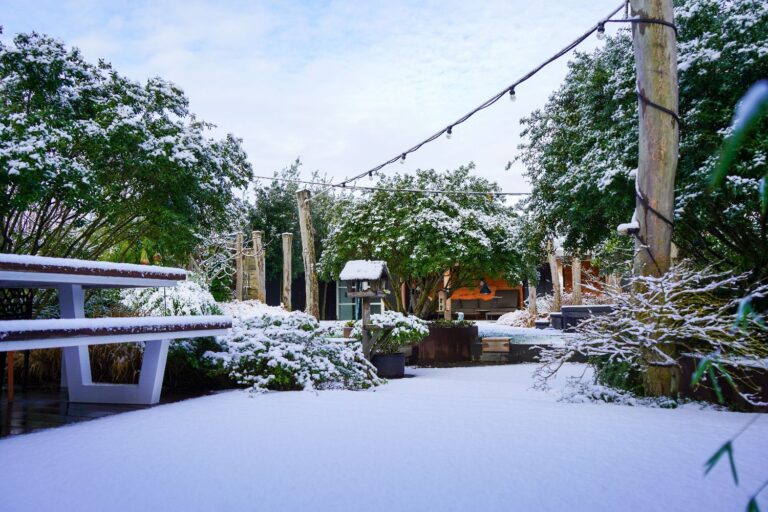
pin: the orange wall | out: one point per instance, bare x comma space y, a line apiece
473, 292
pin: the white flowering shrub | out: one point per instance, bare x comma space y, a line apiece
189, 298
289, 352
397, 331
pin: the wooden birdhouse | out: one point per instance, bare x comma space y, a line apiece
365, 278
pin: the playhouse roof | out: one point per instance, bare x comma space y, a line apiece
360, 270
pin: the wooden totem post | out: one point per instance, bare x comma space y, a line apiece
557, 296
287, 274
656, 63
308, 253
576, 279
260, 281
239, 266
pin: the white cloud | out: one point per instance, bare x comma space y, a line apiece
344, 85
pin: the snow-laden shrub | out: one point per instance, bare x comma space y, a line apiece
397, 331
187, 367
686, 312
188, 298
519, 318
289, 352
248, 308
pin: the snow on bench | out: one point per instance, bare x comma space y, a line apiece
40, 334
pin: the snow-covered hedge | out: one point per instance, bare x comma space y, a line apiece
189, 298
397, 331
289, 352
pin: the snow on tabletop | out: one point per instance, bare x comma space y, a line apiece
147, 270
107, 323
357, 270
519, 449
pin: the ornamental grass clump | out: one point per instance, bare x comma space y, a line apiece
285, 352
687, 312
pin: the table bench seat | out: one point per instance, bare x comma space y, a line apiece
40, 334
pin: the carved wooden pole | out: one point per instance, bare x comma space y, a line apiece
576, 279
287, 274
259, 269
656, 61
556, 289
308, 253
532, 298
239, 266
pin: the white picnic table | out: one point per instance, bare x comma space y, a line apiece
74, 333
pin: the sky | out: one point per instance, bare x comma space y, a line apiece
343, 85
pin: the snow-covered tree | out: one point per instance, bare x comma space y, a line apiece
422, 235
91, 161
580, 149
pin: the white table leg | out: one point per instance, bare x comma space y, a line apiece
76, 364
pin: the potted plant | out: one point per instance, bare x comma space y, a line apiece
393, 333
347, 329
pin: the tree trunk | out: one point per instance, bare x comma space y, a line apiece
239, 266
656, 62
308, 253
260, 282
576, 280
287, 273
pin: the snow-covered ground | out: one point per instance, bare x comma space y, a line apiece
474, 439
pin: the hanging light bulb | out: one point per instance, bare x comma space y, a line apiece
402, 159
449, 133
601, 31
512, 96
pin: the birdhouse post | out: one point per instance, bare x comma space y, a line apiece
366, 280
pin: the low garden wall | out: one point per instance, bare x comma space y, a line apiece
446, 344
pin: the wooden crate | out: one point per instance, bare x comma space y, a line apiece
495, 345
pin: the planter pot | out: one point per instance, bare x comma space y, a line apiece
447, 344
347, 332
389, 366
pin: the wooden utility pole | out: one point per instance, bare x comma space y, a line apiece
308, 253
239, 266
287, 274
576, 279
656, 61
260, 282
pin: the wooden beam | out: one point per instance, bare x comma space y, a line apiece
308, 253
287, 271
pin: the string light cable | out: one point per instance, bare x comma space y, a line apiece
396, 190
509, 90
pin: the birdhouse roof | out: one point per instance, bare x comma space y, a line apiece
363, 270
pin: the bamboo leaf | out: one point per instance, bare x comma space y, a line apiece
699, 373
752, 505
715, 458
750, 109
715, 385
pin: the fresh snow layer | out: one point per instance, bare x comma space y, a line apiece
147, 270
107, 323
459, 439
358, 270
